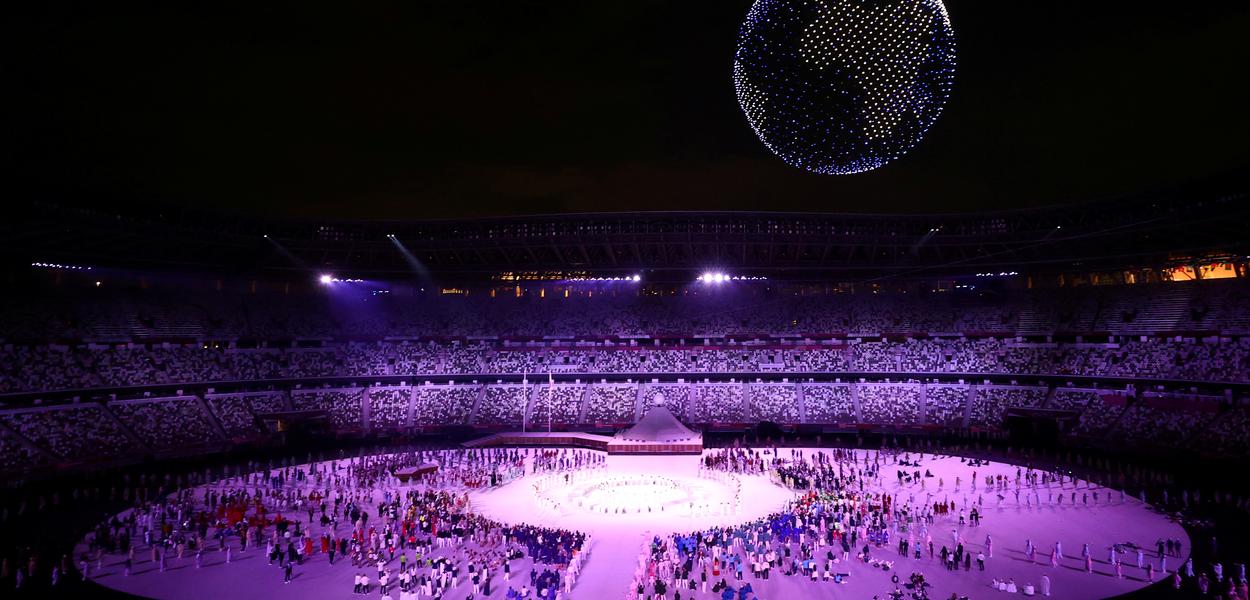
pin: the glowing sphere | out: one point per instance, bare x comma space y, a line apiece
843, 86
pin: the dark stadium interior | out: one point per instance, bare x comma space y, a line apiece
399, 110
248, 239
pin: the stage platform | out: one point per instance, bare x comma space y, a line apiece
658, 432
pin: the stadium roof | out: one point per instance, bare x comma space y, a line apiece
1138, 231
466, 109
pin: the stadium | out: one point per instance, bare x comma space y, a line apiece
817, 364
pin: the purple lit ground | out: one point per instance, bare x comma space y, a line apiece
616, 539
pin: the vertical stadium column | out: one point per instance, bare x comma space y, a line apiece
859, 414
134, 437
638, 396
801, 398
477, 403
409, 409
212, 418
745, 407
969, 396
581, 403
17, 437
1050, 395
527, 414
694, 398
923, 417
366, 410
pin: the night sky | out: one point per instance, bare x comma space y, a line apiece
382, 110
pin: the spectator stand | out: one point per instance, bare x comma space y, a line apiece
775, 402
946, 405
442, 405
18, 454
74, 433
892, 404
611, 405
560, 404
990, 403
828, 403
388, 408
1226, 436
719, 403
169, 425
675, 396
1166, 419
237, 412
343, 406
503, 406
1103, 410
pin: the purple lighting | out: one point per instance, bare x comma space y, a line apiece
717, 277
327, 279
627, 278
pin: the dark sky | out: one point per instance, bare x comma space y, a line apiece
462, 108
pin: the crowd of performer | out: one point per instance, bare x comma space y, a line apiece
419, 539
846, 513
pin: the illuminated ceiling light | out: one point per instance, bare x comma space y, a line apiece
843, 86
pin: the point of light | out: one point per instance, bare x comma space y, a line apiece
325, 279
888, 66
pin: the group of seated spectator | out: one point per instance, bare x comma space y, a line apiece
890, 403
1165, 420
719, 403
607, 403
828, 403
93, 430
72, 432
236, 413
166, 423
388, 407
56, 350
439, 405
55, 367
990, 401
342, 407
557, 403
945, 405
675, 397
503, 405
16, 456
777, 403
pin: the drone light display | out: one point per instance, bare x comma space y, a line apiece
843, 86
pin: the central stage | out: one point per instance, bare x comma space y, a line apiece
658, 432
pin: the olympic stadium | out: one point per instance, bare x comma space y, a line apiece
762, 299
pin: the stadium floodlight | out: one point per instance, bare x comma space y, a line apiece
637, 278
325, 278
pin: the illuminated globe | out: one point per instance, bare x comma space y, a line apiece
843, 86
